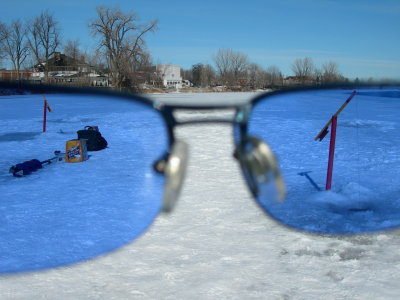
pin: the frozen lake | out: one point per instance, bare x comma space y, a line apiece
218, 244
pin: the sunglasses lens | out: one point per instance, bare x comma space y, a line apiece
362, 194
53, 212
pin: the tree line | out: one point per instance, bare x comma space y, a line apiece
121, 53
37, 40
235, 69
121, 50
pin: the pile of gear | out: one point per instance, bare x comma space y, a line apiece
89, 139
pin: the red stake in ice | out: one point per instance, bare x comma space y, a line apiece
44, 115
331, 153
324, 132
45, 109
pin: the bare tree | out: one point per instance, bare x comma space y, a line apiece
240, 63
187, 74
330, 72
15, 44
262, 78
222, 62
202, 75
122, 39
96, 58
275, 77
44, 38
303, 69
34, 42
256, 78
231, 66
140, 69
208, 75
2, 31
3, 34
196, 74
71, 49
318, 75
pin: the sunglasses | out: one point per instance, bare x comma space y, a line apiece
320, 160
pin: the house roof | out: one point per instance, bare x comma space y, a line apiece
62, 60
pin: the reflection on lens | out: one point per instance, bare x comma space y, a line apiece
365, 194
69, 212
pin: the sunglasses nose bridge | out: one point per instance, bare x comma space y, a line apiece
175, 173
259, 162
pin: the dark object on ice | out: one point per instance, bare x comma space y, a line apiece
95, 141
26, 167
29, 166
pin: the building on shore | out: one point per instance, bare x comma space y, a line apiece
170, 76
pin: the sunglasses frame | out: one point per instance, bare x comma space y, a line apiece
250, 163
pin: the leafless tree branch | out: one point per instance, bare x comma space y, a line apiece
122, 38
14, 44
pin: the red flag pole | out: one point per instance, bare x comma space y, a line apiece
44, 115
331, 153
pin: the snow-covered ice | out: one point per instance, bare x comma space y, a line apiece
365, 190
217, 243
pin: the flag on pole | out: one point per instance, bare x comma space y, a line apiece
324, 130
47, 104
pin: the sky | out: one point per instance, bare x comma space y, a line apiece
362, 36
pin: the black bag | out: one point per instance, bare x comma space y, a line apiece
26, 167
94, 139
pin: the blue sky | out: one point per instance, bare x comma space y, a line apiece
362, 36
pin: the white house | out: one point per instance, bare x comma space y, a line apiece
170, 75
